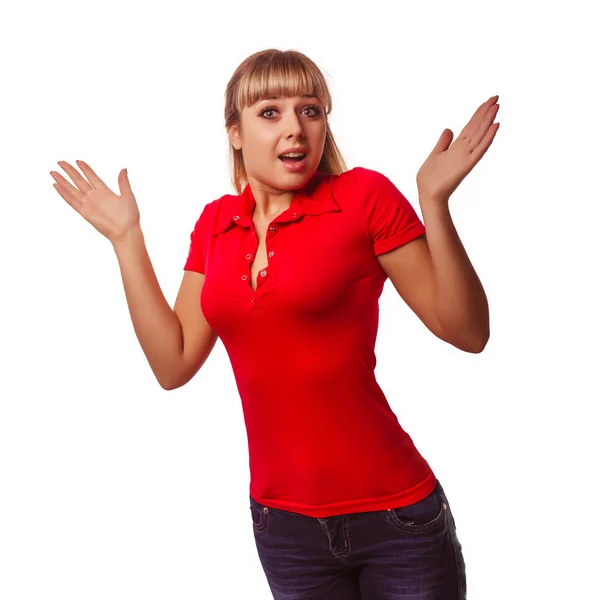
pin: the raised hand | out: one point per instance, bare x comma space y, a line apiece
112, 215
448, 164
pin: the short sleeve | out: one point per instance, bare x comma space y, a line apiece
197, 249
390, 218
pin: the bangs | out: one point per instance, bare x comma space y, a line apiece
281, 75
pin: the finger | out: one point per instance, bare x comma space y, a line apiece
74, 174
89, 173
486, 142
473, 125
66, 185
488, 119
70, 199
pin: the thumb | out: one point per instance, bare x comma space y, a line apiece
124, 185
443, 142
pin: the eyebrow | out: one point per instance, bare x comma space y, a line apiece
279, 97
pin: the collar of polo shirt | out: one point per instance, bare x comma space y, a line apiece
314, 198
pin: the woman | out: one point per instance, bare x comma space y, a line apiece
288, 273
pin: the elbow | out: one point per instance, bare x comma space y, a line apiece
170, 376
467, 339
478, 346
169, 385
470, 344
173, 381
166, 386
474, 349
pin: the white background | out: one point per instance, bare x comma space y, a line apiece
112, 487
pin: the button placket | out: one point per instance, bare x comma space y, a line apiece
265, 272
272, 229
248, 257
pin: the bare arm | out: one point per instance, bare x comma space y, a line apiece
176, 341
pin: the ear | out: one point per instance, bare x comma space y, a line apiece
234, 136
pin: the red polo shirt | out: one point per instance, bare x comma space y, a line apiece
322, 437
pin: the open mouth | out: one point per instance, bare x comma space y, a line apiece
292, 159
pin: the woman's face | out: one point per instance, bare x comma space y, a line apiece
269, 128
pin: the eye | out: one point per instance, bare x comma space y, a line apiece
268, 109
316, 113
316, 109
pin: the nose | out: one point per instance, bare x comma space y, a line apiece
293, 125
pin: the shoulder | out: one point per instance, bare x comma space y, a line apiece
212, 212
363, 189
382, 204
224, 203
359, 180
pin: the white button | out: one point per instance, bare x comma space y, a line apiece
263, 273
272, 228
271, 253
236, 218
248, 256
244, 277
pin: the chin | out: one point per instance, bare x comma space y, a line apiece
302, 178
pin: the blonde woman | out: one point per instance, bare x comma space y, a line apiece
287, 272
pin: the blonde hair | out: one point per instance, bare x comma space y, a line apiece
277, 73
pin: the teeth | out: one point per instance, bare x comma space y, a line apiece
293, 154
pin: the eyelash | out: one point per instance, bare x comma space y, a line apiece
316, 108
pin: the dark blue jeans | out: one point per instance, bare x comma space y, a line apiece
409, 553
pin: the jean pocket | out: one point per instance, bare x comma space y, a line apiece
426, 516
259, 515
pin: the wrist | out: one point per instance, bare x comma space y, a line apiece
131, 237
434, 202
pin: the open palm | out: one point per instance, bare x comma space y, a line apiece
448, 164
112, 215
